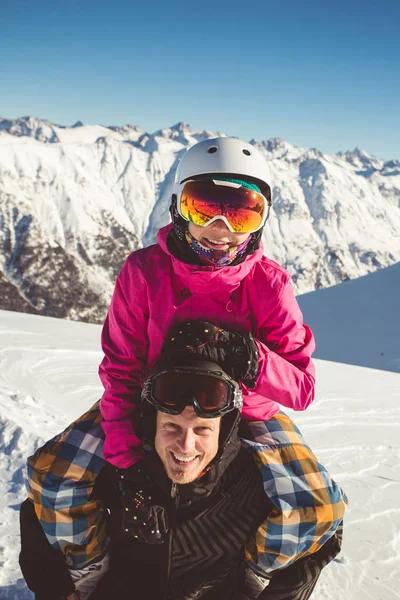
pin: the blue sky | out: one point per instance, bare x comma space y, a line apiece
317, 74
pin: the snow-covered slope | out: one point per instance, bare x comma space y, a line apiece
358, 322
74, 201
48, 373
48, 376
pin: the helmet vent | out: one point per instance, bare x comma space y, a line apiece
246, 152
212, 149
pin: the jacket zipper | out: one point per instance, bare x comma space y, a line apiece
175, 502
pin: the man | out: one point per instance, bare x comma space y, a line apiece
181, 521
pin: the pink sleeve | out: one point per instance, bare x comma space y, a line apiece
124, 343
286, 372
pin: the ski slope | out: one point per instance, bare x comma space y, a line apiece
357, 322
48, 376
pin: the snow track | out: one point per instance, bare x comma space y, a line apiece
25, 423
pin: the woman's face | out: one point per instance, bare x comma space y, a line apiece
217, 236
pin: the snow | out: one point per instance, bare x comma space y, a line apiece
357, 322
48, 376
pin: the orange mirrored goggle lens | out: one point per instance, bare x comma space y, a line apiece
244, 209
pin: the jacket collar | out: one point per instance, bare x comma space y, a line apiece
205, 274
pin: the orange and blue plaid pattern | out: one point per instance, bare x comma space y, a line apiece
308, 504
60, 480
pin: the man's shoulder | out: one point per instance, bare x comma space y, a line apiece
244, 484
243, 469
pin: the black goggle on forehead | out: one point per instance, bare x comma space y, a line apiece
211, 392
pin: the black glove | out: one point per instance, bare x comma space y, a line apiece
235, 352
243, 356
143, 518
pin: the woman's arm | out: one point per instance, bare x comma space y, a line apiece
286, 373
124, 342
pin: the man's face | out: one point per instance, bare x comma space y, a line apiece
186, 444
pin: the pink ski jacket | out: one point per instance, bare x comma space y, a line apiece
155, 290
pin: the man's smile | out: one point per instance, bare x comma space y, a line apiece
183, 460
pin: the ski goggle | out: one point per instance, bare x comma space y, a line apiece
210, 393
243, 210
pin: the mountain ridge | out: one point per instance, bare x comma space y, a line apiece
75, 201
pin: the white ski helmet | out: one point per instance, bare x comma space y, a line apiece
224, 155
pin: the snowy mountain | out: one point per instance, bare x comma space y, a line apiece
74, 201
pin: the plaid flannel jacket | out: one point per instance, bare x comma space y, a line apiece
308, 504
